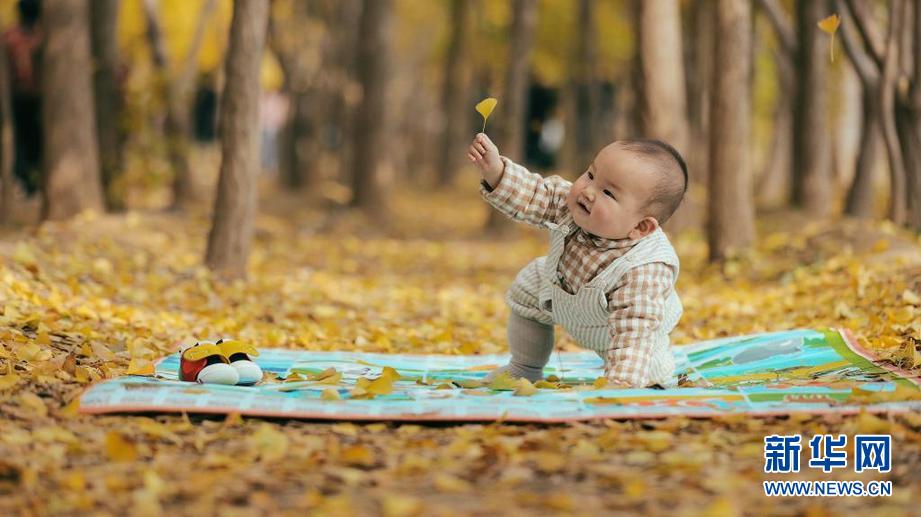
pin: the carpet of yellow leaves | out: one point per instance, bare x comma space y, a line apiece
95, 297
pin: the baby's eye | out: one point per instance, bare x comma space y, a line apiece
608, 193
590, 175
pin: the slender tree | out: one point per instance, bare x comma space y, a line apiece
812, 173
585, 97
71, 165
104, 17
700, 40
731, 209
662, 65
371, 117
511, 131
455, 92
235, 204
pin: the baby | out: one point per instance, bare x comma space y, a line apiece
609, 278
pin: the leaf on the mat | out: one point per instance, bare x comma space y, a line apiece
445, 386
268, 443
546, 385
552, 378
119, 449
332, 379
503, 382
330, 394
294, 377
600, 383
525, 388
469, 383
391, 374
142, 367
325, 374
381, 386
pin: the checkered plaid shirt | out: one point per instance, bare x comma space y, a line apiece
636, 303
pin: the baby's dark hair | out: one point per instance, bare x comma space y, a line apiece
670, 188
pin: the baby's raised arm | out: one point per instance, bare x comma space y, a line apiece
485, 155
513, 190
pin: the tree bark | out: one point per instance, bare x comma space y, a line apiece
860, 196
71, 165
812, 178
730, 208
585, 104
456, 89
6, 141
662, 62
913, 111
235, 204
699, 79
370, 119
511, 131
897, 202
104, 19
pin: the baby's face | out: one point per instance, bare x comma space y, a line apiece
607, 200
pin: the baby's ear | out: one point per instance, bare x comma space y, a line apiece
643, 228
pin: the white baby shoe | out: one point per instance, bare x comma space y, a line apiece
238, 353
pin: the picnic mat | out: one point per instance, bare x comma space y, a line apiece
767, 374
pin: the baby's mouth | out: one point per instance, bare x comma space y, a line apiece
583, 206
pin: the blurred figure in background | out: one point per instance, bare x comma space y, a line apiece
23, 43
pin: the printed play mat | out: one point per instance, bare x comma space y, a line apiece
766, 374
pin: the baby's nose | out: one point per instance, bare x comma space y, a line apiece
589, 193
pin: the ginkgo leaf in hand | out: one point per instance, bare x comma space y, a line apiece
485, 107
830, 25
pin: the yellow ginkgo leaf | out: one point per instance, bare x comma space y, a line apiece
140, 367
330, 394
525, 388
485, 107
830, 25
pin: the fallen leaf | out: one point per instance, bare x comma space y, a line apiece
119, 449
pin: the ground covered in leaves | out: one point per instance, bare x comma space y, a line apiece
88, 299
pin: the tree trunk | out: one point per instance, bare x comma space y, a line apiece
511, 131
6, 141
235, 205
104, 19
812, 180
889, 125
860, 195
456, 91
913, 111
662, 62
585, 103
71, 165
730, 207
373, 69
699, 84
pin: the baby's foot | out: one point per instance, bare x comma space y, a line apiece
517, 371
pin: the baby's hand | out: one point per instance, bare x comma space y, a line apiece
485, 155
